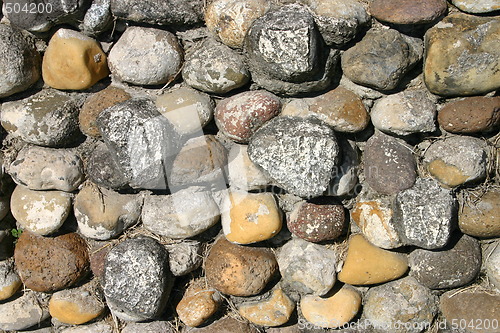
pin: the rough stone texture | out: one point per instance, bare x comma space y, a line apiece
99, 327
183, 214
146, 56
307, 268
243, 174
461, 56
97, 18
404, 301
51, 264
103, 170
103, 214
345, 176
479, 218
477, 6
42, 212
457, 160
229, 20
239, 270
141, 141
73, 61
215, 68
184, 257
137, 280
492, 267
367, 264
23, 312
298, 154
275, 310
198, 304
19, 62
95, 104
317, 222
471, 115
454, 266
408, 11
98, 259
10, 282
47, 118
424, 214
149, 327
381, 59
389, 164
404, 113
40, 168
226, 325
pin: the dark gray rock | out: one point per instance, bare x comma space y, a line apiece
137, 280
98, 18
184, 257
103, 170
424, 214
454, 266
389, 164
381, 59
141, 141
298, 154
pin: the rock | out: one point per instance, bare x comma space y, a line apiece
367, 264
404, 301
140, 140
176, 12
40, 168
307, 268
103, 170
198, 304
98, 258
19, 60
457, 160
184, 257
407, 11
95, 104
239, 116
73, 61
404, 113
298, 154
275, 310
381, 59
215, 68
334, 310
41, 212
137, 280
481, 6
492, 267
479, 218
183, 214
239, 270
99, 327
345, 176
187, 109
97, 18
50, 264
103, 214
389, 164
461, 56
243, 174
424, 214
10, 282
317, 222
226, 325
250, 217
23, 312
146, 56
76, 306
229, 20
478, 310
47, 118
149, 327
471, 115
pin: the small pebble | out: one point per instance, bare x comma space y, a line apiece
184, 257
479, 217
275, 310
198, 304
10, 282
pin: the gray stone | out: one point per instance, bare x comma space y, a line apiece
492, 266
97, 18
99, 327
389, 164
403, 301
146, 56
10, 281
477, 6
404, 113
346, 174
300, 155
137, 280
149, 327
381, 59
454, 266
214, 68
103, 170
424, 214
183, 214
307, 268
141, 141
184, 257
24, 312
19, 61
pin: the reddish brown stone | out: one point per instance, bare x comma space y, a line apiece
408, 11
471, 115
49, 264
226, 325
98, 258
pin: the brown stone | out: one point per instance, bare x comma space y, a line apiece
480, 218
471, 115
49, 264
239, 270
408, 11
198, 304
98, 259
226, 325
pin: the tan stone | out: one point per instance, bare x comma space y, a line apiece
198, 304
250, 217
243, 174
448, 175
10, 282
274, 311
480, 218
333, 310
73, 61
367, 264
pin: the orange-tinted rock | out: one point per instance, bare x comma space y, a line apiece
273, 311
480, 217
408, 11
198, 304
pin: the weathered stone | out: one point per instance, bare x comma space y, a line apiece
275, 310
99, 327
243, 174
97, 18
103, 170
492, 267
479, 217
10, 282
226, 325
198, 304
407, 11
317, 222
477, 6
345, 176
23, 312
98, 259
149, 327
184, 257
